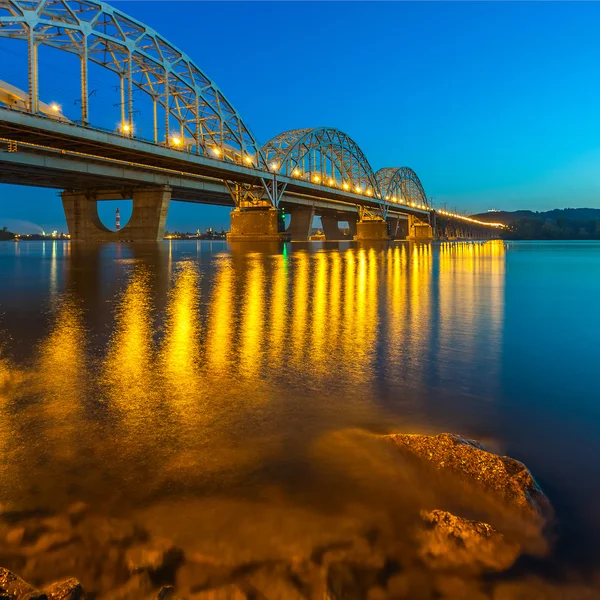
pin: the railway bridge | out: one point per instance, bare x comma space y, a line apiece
200, 149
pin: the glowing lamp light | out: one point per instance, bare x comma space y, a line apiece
216, 151
394, 199
55, 107
296, 172
248, 159
369, 192
358, 190
387, 197
126, 128
317, 179
331, 181
274, 166
346, 186
176, 141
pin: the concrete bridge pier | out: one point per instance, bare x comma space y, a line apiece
147, 222
398, 227
301, 223
258, 224
352, 226
331, 228
419, 230
372, 230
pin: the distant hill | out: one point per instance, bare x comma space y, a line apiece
578, 214
557, 224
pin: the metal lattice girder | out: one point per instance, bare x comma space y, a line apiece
324, 156
97, 32
401, 184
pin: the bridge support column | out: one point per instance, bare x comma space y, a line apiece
148, 216
301, 223
257, 225
352, 223
398, 227
418, 230
372, 229
331, 229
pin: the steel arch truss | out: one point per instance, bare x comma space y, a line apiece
205, 121
401, 185
323, 156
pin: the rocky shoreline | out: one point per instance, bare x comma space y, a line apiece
493, 512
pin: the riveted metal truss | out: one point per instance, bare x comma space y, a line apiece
196, 114
401, 185
369, 214
197, 117
322, 156
265, 194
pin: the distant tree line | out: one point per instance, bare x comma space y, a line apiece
565, 224
6, 235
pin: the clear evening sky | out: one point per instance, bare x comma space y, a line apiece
494, 105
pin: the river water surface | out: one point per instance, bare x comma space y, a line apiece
211, 388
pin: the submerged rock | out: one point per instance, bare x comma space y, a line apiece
65, 590
449, 542
501, 476
14, 587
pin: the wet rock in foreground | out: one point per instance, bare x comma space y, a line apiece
449, 542
501, 476
443, 555
13, 586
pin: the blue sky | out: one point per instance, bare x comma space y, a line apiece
492, 104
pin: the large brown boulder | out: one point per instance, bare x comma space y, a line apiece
14, 587
500, 475
480, 485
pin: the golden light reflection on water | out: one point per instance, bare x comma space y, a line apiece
332, 329
278, 309
62, 364
128, 373
471, 289
300, 309
319, 350
196, 349
180, 357
253, 320
220, 327
63, 373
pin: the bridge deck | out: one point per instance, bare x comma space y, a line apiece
62, 155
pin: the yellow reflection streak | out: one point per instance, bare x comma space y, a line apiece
253, 320
361, 308
372, 303
128, 372
61, 375
335, 290
349, 341
180, 351
278, 304
471, 287
220, 326
53, 270
300, 305
420, 304
397, 305
319, 354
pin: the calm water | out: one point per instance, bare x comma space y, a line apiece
141, 378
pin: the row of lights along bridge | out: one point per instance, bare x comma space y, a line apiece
177, 142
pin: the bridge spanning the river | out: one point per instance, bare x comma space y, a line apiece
201, 150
